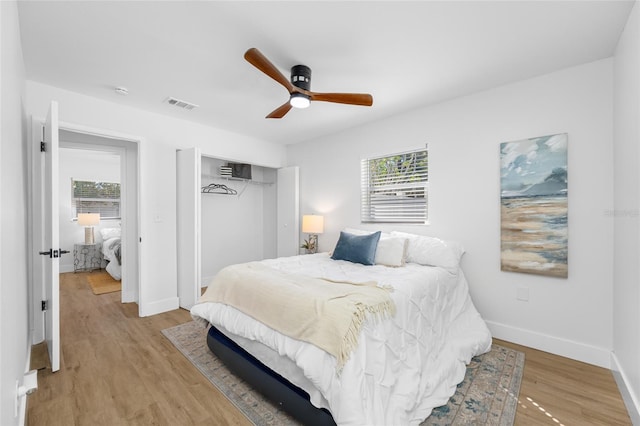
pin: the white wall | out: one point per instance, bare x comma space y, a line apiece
571, 317
160, 137
236, 228
82, 165
626, 293
14, 333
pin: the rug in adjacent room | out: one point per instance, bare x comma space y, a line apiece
102, 283
487, 396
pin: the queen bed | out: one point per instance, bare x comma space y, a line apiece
401, 361
111, 250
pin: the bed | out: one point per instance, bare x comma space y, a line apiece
403, 365
111, 251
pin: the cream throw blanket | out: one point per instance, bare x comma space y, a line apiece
325, 313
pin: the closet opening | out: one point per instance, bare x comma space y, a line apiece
225, 219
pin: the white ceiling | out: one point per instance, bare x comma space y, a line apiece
406, 54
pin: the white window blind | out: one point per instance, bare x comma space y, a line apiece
95, 197
395, 188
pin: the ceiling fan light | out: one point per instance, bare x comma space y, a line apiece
299, 100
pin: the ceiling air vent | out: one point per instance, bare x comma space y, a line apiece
181, 104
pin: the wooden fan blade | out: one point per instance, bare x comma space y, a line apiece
258, 60
363, 99
280, 111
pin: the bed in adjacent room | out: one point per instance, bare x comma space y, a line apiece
379, 332
111, 251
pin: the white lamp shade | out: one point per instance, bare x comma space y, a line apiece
88, 219
312, 224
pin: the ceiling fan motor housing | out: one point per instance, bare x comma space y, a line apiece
301, 76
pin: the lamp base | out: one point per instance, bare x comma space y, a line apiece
88, 235
313, 243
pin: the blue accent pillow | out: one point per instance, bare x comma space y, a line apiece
357, 248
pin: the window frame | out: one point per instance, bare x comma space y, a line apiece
395, 210
76, 208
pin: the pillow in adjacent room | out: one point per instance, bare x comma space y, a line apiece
357, 248
110, 233
391, 251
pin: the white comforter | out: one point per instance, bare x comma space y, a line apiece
403, 367
108, 250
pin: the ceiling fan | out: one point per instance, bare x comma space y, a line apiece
299, 94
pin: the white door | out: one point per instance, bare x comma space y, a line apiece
188, 212
288, 212
51, 251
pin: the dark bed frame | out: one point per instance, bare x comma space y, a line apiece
273, 386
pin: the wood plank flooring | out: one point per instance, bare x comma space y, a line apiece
118, 369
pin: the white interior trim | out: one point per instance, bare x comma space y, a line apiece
600, 357
159, 306
22, 407
628, 396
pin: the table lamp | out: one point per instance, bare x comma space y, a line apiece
88, 220
313, 225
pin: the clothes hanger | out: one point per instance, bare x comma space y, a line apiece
217, 188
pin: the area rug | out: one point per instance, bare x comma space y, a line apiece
487, 396
102, 282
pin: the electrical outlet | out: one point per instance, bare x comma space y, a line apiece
522, 294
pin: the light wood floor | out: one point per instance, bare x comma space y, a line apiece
118, 369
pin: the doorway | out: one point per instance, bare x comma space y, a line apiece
127, 150
89, 182
127, 153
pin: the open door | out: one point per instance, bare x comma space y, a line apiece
188, 215
50, 249
288, 211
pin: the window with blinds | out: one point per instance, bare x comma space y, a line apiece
395, 188
95, 197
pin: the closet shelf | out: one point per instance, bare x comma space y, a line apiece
251, 181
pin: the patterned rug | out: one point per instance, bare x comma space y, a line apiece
487, 396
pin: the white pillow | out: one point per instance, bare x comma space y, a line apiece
391, 251
110, 233
364, 232
431, 251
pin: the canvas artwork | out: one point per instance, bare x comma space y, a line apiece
533, 212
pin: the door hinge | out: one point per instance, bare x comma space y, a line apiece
43, 147
45, 305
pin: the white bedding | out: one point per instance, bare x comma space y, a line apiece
403, 367
113, 267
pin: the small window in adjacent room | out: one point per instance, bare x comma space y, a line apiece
395, 188
95, 197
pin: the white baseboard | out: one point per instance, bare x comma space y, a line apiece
66, 268
128, 297
159, 306
628, 395
22, 404
555, 345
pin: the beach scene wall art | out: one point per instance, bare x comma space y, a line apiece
533, 212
